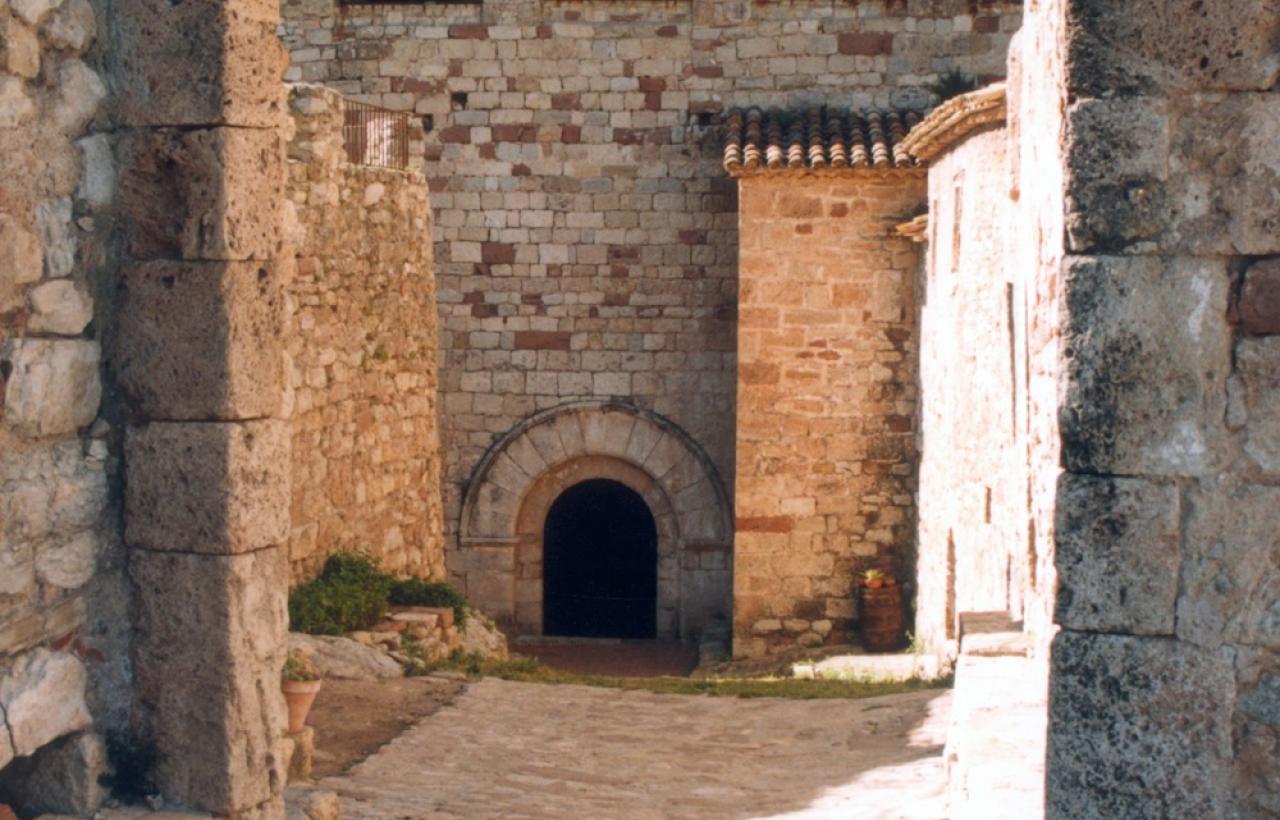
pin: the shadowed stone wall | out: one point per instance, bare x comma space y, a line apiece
826, 400
586, 237
1165, 677
363, 349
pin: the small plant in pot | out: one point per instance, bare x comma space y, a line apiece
880, 611
300, 682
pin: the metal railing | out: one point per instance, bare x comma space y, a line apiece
375, 136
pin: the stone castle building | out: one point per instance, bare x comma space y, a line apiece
723, 268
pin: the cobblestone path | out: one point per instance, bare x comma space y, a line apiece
525, 750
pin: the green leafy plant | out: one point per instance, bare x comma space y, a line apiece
351, 593
298, 667
417, 592
953, 83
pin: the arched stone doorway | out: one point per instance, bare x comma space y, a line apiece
600, 563
512, 491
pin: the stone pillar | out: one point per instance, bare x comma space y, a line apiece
200, 359
1165, 680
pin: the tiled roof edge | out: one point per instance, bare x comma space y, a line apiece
954, 120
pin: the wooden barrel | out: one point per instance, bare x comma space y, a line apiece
880, 618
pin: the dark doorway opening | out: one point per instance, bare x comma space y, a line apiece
600, 563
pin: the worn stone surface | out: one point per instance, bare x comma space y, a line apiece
200, 340
1184, 174
59, 307
344, 658
311, 803
200, 64
98, 175
207, 487
480, 636
16, 107
72, 27
80, 91
364, 355
61, 778
1231, 568
21, 260
68, 564
1148, 355
584, 752
1258, 305
19, 48
1118, 554
42, 695
1163, 748
1152, 45
219, 695
1258, 369
53, 386
201, 194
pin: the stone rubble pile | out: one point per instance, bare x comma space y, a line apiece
411, 636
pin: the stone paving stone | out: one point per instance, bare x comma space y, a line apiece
507, 749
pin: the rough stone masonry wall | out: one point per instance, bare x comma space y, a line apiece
826, 400
363, 347
972, 497
1165, 687
586, 243
62, 656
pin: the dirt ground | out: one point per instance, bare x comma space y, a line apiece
354, 719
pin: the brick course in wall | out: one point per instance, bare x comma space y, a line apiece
363, 346
586, 236
826, 400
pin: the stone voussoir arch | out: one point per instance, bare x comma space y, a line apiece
574, 430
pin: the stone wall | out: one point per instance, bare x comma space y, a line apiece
973, 485
1166, 544
586, 235
61, 646
363, 347
826, 399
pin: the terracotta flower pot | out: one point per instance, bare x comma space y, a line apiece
299, 695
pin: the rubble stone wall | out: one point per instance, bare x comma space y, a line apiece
827, 347
1167, 547
363, 347
586, 233
972, 496
60, 553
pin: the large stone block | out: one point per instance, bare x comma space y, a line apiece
202, 194
52, 387
1117, 554
42, 696
1138, 727
207, 487
58, 306
1231, 567
202, 340
21, 261
1192, 175
1147, 350
61, 778
212, 706
1258, 374
215, 63
51, 494
1148, 46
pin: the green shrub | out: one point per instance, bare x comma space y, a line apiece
351, 593
417, 592
953, 83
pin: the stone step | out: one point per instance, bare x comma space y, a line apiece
992, 634
872, 668
996, 738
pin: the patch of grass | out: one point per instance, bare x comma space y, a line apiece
529, 670
953, 83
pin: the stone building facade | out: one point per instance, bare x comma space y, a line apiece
586, 234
